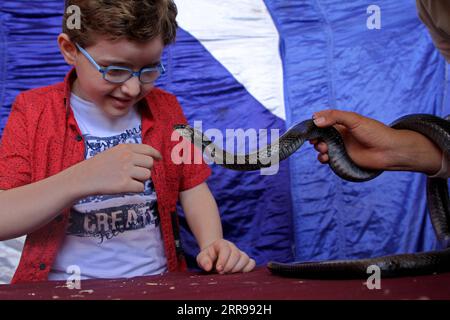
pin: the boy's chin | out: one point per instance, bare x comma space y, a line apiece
119, 103
114, 111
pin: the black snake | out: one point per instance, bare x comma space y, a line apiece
435, 128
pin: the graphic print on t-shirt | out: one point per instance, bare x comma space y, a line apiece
106, 216
96, 145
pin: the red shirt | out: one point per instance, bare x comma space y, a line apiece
42, 138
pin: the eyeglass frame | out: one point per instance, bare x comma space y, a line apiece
103, 70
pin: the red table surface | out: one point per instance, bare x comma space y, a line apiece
259, 284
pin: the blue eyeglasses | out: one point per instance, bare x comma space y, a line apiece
117, 74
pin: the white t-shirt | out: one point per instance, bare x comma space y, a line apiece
110, 236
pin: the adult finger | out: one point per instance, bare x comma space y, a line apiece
322, 147
323, 158
327, 118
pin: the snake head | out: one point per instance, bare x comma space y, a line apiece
184, 130
179, 126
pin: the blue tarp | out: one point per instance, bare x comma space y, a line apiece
332, 60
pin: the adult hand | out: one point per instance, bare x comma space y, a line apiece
373, 145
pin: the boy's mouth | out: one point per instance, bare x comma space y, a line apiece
122, 102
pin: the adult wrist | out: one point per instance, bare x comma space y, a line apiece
413, 151
402, 154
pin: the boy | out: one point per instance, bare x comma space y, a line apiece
85, 165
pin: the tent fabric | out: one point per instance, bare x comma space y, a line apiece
332, 59
267, 65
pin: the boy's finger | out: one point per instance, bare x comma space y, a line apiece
250, 266
206, 258
143, 161
224, 252
212, 253
205, 261
243, 261
232, 260
147, 150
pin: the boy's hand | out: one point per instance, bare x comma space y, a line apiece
225, 257
123, 168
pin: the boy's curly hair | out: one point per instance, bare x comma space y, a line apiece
138, 20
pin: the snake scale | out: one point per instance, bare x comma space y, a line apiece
433, 127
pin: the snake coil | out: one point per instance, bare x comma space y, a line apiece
433, 127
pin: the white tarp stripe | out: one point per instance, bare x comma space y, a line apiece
243, 38
10, 252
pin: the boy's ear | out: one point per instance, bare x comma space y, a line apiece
67, 48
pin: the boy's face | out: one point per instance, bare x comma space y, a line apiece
115, 99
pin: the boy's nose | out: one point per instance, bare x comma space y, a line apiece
131, 87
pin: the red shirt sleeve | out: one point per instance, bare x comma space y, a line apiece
194, 174
15, 168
